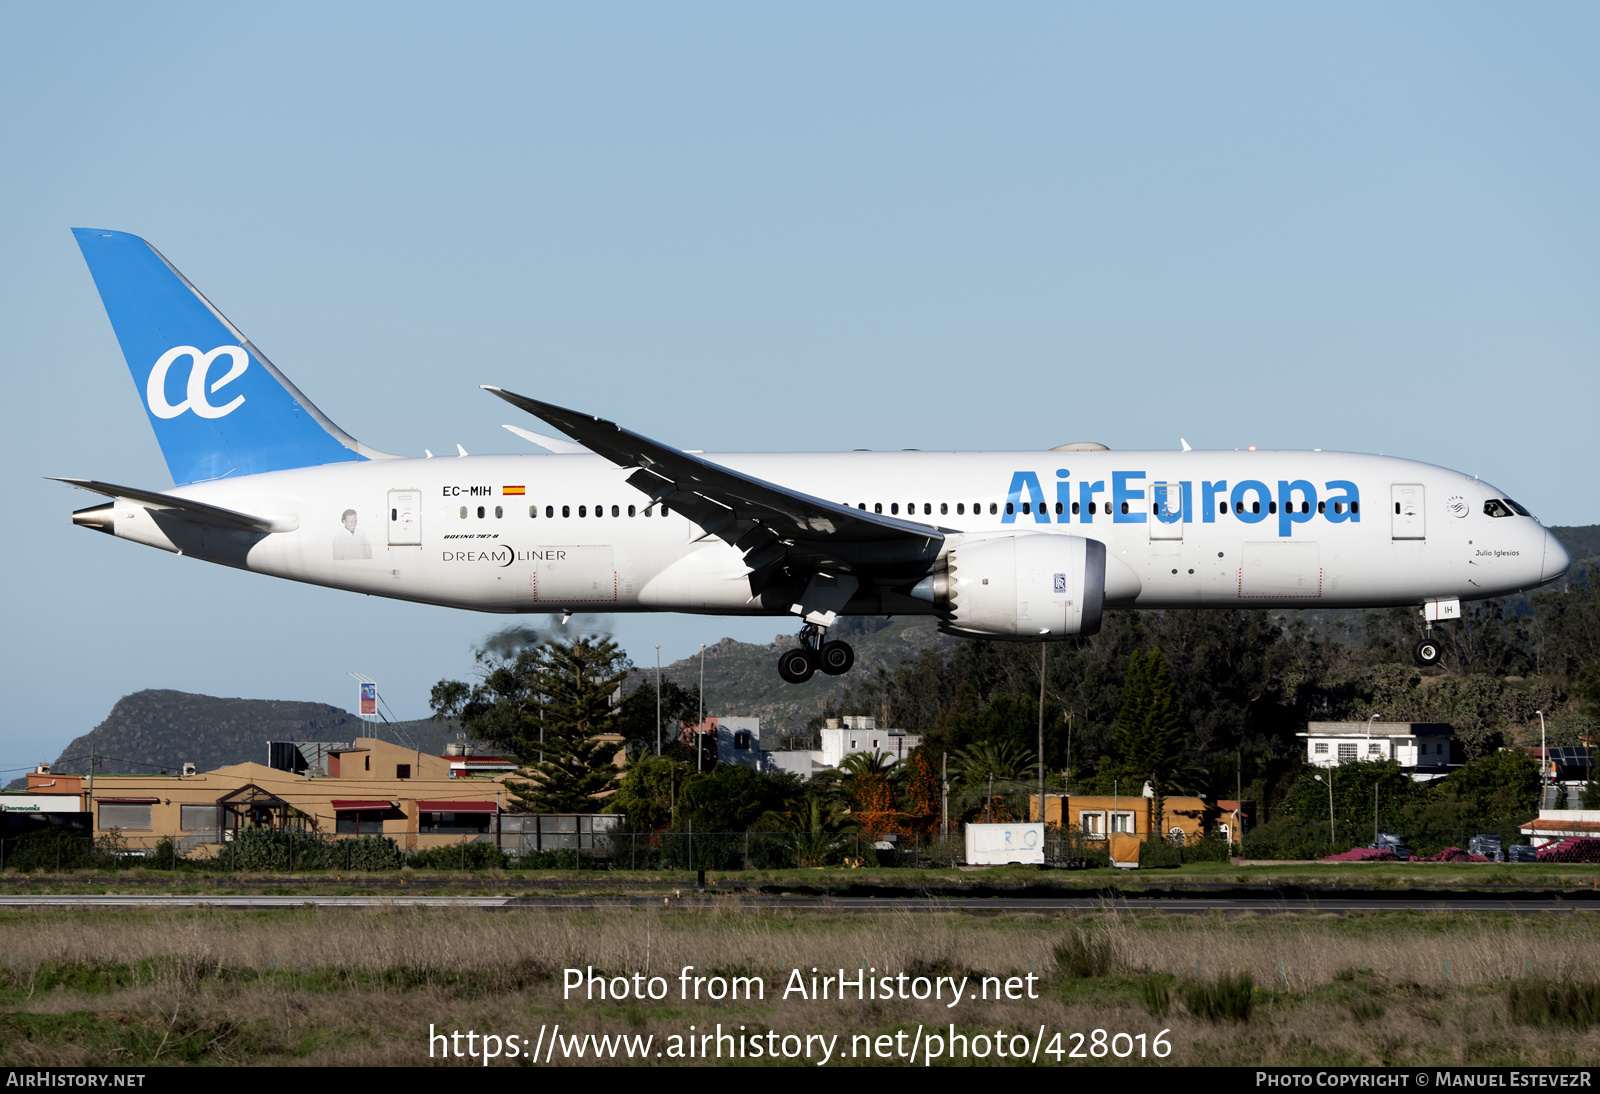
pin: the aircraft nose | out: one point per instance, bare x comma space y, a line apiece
1556, 558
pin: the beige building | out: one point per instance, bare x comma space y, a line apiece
372, 788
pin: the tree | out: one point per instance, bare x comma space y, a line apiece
547, 705
1149, 727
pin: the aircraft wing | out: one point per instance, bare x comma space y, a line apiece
194, 510
778, 529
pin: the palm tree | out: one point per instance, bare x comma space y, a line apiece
980, 766
812, 828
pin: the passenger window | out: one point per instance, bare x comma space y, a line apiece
1074, 508
1496, 508
665, 510
1027, 508
894, 508
1305, 507
480, 512
1222, 507
599, 510
499, 512
583, 510
1272, 507
1322, 507
927, 509
1255, 507
1092, 508
1338, 507
961, 508
993, 509
1009, 510
1058, 508
1355, 507
618, 512
533, 512
550, 511
630, 511
877, 507
463, 512
1124, 507
566, 510
944, 508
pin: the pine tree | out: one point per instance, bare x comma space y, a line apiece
1149, 732
548, 707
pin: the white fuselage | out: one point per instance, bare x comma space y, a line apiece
1371, 531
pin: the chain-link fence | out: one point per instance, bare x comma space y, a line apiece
676, 850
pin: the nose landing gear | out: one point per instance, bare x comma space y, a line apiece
1427, 652
834, 658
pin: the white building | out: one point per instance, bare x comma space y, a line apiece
856, 734
1554, 825
1422, 749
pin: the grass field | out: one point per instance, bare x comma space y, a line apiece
363, 987
1386, 876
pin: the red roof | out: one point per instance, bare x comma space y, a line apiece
346, 805
458, 807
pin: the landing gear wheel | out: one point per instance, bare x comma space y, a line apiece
797, 665
836, 657
1427, 653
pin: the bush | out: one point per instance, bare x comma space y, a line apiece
1084, 955
1159, 854
1231, 998
264, 849
1542, 1003
1212, 848
463, 856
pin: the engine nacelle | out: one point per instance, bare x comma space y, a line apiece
1026, 586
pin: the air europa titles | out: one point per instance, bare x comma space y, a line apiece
502, 555
1135, 499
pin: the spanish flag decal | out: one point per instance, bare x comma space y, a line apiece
513, 491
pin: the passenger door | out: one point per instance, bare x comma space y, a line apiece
1407, 510
1166, 518
405, 518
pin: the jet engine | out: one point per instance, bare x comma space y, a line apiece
1026, 586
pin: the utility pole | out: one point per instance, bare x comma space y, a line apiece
700, 728
1374, 814
1066, 776
1042, 649
658, 698
944, 796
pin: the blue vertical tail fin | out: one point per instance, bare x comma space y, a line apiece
217, 405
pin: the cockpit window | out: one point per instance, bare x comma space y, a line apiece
1497, 508
1521, 512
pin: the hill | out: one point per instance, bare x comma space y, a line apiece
162, 730
742, 677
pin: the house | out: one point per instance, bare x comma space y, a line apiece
1424, 750
372, 787
1126, 821
726, 739
1553, 825
841, 738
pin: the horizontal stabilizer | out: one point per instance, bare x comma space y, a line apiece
195, 510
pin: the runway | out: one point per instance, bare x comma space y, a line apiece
693, 901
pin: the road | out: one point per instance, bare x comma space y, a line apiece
695, 901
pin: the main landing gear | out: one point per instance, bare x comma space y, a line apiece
834, 657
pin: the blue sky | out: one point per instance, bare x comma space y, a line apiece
1361, 226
